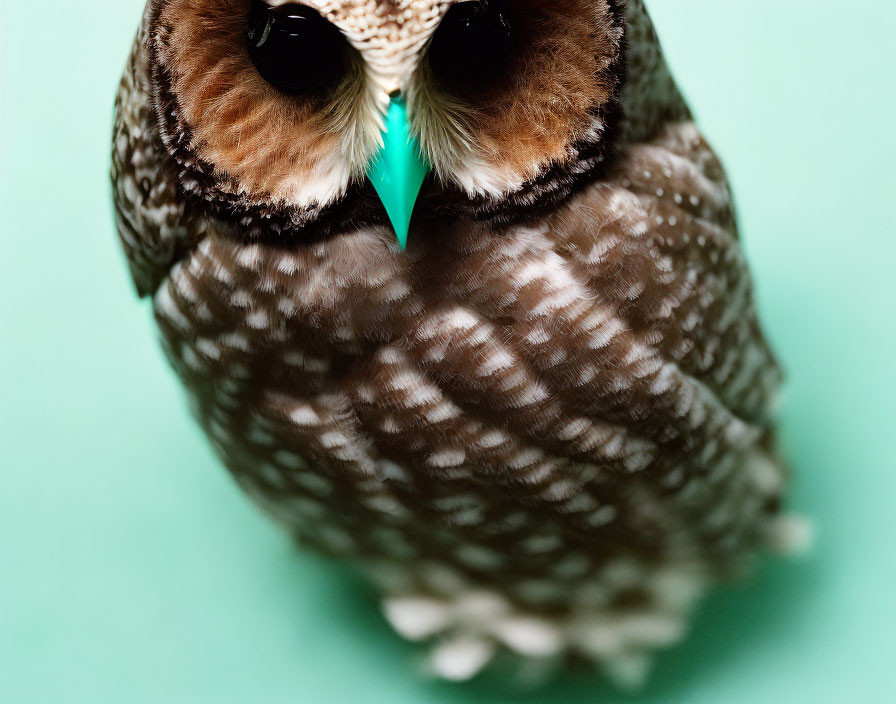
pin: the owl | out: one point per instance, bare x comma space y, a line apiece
456, 292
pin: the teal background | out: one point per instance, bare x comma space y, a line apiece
131, 569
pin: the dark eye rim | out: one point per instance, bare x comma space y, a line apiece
482, 33
295, 49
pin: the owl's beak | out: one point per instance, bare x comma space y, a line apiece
398, 169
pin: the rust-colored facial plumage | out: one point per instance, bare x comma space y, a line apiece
523, 114
260, 141
546, 428
504, 131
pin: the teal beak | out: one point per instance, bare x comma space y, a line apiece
398, 170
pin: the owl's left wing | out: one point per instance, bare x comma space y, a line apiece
658, 243
614, 348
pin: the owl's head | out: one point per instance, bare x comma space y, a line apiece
277, 109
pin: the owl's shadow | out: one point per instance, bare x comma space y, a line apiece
730, 624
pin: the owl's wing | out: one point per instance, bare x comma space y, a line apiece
658, 244
148, 214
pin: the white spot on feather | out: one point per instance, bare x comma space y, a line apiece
416, 618
462, 658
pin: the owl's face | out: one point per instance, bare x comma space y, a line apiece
277, 107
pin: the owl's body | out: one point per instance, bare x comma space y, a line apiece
545, 434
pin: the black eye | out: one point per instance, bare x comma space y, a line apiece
294, 48
472, 44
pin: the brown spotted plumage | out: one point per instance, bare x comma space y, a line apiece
546, 428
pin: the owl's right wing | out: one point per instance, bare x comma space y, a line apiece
148, 213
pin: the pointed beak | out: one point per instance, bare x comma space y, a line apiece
398, 169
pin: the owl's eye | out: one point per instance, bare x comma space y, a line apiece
294, 48
472, 44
